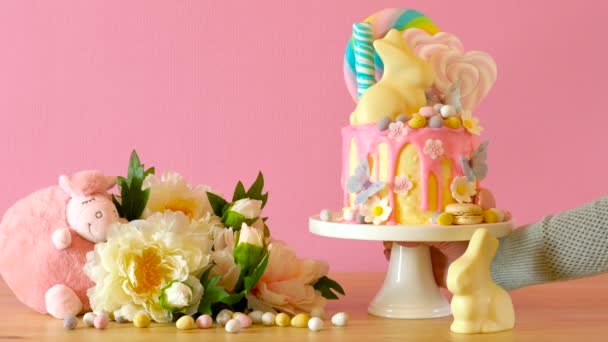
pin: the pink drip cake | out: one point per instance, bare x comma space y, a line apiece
412, 153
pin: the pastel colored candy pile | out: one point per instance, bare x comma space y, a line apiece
382, 22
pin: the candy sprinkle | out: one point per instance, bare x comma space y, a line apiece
141, 320
282, 320
70, 322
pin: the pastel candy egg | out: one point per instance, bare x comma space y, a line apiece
453, 122
88, 319
485, 199
244, 320
447, 111
508, 215
437, 107
223, 317
141, 320
315, 324
490, 216
70, 322
101, 321
325, 215
268, 318
340, 319
417, 121
427, 111
348, 214
282, 319
233, 326
402, 118
445, 219
256, 316
317, 312
435, 121
204, 321
383, 123
185, 323
300, 320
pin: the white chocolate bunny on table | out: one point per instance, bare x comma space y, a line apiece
402, 87
478, 305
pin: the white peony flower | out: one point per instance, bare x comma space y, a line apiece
462, 189
376, 210
142, 257
247, 207
171, 192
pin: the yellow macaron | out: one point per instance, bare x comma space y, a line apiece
465, 213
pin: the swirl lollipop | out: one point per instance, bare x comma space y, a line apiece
382, 22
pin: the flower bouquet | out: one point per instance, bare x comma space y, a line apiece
181, 249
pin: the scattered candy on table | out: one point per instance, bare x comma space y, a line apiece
185, 323
204, 322
340, 319
268, 318
88, 319
141, 320
70, 322
300, 320
315, 324
325, 215
243, 319
101, 321
282, 319
256, 316
223, 317
233, 326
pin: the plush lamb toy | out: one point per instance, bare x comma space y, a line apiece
44, 239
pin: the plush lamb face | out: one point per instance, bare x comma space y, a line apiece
92, 216
90, 211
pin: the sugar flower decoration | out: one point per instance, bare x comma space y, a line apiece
376, 210
471, 123
397, 131
151, 265
433, 148
172, 192
463, 190
402, 185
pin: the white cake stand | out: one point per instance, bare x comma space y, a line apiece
409, 290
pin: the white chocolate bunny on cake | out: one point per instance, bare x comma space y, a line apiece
478, 305
402, 87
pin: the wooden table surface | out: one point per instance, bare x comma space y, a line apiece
568, 311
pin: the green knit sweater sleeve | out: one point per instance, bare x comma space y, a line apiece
568, 245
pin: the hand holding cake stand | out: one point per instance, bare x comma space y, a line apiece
409, 290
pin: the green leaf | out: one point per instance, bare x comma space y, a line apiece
256, 189
239, 192
251, 280
327, 286
133, 199
217, 203
247, 257
213, 294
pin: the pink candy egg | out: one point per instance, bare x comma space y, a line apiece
485, 199
204, 322
101, 321
243, 319
427, 111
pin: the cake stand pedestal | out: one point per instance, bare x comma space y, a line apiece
409, 290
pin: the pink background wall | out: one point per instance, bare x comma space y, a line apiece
218, 90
